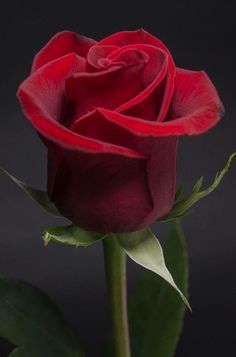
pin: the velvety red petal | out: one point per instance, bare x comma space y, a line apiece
60, 45
106, 194
153, 103
96, 126
108, 89
195, 108
195, 105
96, 53
126, 89
168, 90
154, 72
125, 38
101, 192
41, 97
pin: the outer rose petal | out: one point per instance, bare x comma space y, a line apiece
195, 108
159, 170
101, 192
195, 105
41, 96
110, 193
61, 44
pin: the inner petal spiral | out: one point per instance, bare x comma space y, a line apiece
108, 88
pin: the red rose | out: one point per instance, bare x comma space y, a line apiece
110, 114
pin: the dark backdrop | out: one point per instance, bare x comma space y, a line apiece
200, 35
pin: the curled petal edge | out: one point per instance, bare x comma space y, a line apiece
207, 113
48, 127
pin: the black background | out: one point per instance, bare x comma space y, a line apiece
200, 35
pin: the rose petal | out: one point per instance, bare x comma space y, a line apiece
111, 188
131, 89
62, 44
153, 103
125, 38
155, 71
95, 125
195, 108
195, 105
110, 192
41, 96
109, 88
97, 52
168, 90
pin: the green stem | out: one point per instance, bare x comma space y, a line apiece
116, 276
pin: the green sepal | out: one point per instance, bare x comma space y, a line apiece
145, 249
181, 206
71, 235
41, 197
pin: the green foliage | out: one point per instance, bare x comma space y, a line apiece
156, 315
41, 197
30, 321
145, 249
181, 206
71, 235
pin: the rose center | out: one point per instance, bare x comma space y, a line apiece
106, 63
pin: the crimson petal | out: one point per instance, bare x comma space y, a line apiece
61, 44
195, 108
125, 38
41, 97
101, 192
149, 196
97, 52
195, 105
156, 69
109, 88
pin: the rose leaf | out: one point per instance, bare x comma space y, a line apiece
30, 321
156, 316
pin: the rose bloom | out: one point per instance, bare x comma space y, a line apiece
110, 114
